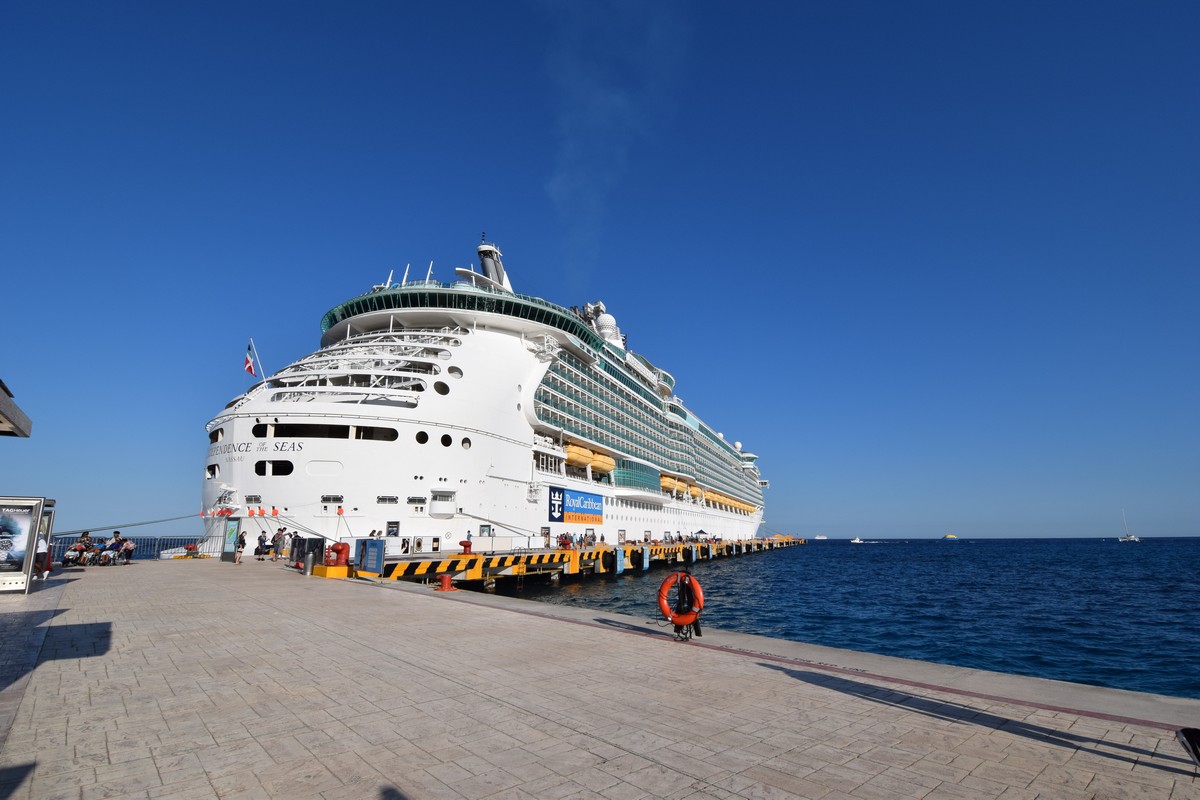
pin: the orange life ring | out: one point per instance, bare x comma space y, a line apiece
697, 605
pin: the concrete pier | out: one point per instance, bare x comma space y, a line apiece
201, 679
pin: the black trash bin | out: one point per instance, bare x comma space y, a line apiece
302, 546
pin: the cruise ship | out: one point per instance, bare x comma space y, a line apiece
445, 415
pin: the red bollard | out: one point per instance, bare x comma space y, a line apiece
444, 583
465, 544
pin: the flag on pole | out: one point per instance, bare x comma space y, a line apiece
250, 360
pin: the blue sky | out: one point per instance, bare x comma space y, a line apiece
936, 264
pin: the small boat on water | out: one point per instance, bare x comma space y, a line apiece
949, 536
820, 537
1128, 537
856, 540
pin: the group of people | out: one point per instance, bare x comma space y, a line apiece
576, 541
274, 546
87, 551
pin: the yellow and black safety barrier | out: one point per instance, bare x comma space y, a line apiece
633, 556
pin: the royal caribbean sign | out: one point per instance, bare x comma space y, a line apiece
569, 506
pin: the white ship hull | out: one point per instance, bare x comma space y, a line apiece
434, 420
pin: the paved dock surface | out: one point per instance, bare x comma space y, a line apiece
200, 679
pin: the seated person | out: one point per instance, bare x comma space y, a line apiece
108, 555
91, 549
71, 556
127, 550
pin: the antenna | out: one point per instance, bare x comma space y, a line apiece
429, 274
388, 285
404, 280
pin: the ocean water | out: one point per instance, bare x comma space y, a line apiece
1094, 611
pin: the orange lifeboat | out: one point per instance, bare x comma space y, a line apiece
689, 602
578, 456
602, 464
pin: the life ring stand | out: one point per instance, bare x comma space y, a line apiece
689, 616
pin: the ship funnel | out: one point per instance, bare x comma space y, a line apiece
489, 261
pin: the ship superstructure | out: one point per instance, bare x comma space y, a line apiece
436, 413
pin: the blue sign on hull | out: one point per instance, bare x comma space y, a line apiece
570, 506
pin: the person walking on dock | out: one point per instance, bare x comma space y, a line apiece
241, 546
41, 563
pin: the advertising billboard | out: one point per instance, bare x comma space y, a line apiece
20, 519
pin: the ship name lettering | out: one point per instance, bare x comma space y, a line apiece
291, 447
231, 447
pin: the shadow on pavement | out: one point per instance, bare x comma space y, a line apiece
29, 639
14, 776
627, 626
950, 711
82, 640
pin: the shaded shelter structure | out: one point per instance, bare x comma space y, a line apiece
13, 421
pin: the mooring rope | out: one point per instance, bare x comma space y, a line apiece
56, 534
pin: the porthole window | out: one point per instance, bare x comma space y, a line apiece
216, 436
422, 437
273, 468
441, 388
447, 440
212, 471
466, 444
455, 372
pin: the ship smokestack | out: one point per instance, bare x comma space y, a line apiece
489, 262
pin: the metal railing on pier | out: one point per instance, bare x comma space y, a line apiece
145, 547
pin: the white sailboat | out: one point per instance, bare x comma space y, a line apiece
1128, 537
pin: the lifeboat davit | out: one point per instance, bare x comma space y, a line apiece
578, 456
689, 601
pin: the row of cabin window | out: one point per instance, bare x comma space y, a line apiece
292, 430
